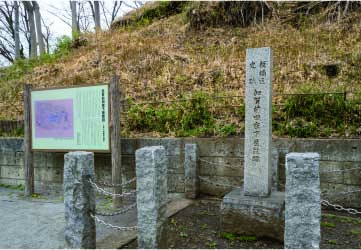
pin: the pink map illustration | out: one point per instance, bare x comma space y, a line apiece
54, 119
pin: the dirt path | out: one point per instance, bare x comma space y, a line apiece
198, 226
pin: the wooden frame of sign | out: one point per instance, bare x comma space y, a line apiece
112, 131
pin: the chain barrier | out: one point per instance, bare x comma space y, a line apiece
112, 226
342, 170
106, 184
101, 190
122, 211
339, 207
217, 184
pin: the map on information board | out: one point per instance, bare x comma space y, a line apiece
54, 119
74, 118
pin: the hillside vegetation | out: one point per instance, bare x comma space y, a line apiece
182, 67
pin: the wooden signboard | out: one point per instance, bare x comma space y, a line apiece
68, 119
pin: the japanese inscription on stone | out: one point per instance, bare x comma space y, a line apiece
258, 132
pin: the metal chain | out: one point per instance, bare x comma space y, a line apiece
101, 190
215, 164
124, 210
342, 170
217, 184
112, 226
106, 184
339, 207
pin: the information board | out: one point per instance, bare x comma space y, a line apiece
75, 118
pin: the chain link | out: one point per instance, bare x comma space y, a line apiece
217, 184
342, 170
122, 211
106, 184
112, 226
339, 207
101, 190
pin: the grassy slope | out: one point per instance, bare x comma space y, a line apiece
166, 60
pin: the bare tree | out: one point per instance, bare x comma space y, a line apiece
96, 14
47, 35
16, 30
74, 19
7, 34
109, 16
33, 45
39, 33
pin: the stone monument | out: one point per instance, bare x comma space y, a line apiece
258, 132
253, 209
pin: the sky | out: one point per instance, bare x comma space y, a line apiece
55, 12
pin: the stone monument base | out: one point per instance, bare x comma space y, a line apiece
254, 216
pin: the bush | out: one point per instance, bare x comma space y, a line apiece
63, 46
189, 117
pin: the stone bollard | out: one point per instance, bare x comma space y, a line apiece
151, 168
303, 204
191, 171
79, 200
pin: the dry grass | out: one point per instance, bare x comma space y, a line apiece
166, 60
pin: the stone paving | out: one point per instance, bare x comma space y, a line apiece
39, 223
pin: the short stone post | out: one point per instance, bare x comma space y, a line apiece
151, 168
191, 171
303, 204
79, 200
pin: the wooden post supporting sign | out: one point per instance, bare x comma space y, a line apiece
115, 138
28, 154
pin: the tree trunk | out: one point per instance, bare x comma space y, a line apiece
16, 31
33, 45
38, 28
74, 21
346, 8
96, 15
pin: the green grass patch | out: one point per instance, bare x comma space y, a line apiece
229, 236
343, 219
20, 187
212, 245
355, 231
317, 115
183, 234
330, 216
332, 242
189, 117
38, 196
106, 203
328, 224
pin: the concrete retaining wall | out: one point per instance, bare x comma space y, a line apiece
221, 162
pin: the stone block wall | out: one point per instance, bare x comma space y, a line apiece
220, 162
